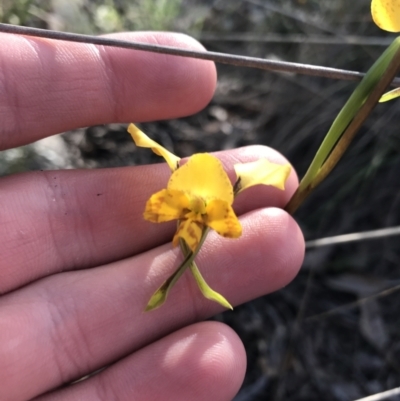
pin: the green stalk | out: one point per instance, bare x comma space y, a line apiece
205, 289
160, 296
349, 120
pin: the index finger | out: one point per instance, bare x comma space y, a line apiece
49, 86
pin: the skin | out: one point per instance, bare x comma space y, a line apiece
78, 261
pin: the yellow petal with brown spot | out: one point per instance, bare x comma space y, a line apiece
204, 177
143, 141
386, 14
262, 172
190, 231
221, 217
165, 205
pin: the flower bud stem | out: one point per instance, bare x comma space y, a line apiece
349, 121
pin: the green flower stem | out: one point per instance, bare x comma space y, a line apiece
205, 289
160, 296
348, 122
359, 119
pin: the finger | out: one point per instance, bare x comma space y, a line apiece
79, 321
201, 362
53, 86
64, 220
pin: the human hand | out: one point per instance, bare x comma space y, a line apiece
79, 262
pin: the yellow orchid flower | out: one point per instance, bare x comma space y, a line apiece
200, 195
386, 14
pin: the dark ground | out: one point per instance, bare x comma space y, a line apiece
332, 334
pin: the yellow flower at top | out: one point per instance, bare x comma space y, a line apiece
386, 14
199, 194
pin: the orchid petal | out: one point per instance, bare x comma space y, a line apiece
262, 172
221, 217
204, 177
165, 205
143, 141
190, 231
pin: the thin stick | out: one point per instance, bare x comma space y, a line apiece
385, 395
351, 305
242, 61
353, 237
295, 38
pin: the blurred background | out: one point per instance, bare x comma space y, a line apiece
333, 333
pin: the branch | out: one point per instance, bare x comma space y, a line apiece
242, 61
